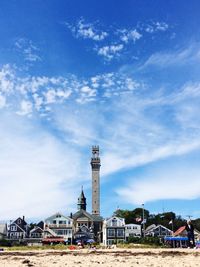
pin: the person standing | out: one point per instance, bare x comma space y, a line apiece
190, 234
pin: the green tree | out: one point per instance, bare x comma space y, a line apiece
130, 216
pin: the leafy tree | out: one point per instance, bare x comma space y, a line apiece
196, 224
130, 216
161, 218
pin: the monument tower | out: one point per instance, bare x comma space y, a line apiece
95, 164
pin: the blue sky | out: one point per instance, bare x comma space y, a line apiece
123, 75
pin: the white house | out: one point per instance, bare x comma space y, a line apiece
132, 230
113, 230
59, 226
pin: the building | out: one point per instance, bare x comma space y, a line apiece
18, 230
95, 164
89, 225
113, 231
183, 233
157, 230
3, 230
58, 227
132, 230
37, 232
86, 225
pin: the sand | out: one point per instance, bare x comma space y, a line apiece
106, 258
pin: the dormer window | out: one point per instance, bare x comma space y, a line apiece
114, 222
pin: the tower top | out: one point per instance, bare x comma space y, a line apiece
95, 151
95, 159
82, 201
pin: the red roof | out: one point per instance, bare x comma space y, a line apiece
179, 231
55, 239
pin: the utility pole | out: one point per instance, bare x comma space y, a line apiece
143, 220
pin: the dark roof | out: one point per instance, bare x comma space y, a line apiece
83, 213
21, 222
82, 198
37, 229
41, 224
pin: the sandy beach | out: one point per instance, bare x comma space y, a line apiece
106, 258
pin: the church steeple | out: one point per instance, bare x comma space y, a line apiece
82, 201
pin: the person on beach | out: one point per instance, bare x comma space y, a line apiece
190, 234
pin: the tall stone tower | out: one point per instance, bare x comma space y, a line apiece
95, 164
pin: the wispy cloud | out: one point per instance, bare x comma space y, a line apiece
156, 26
175, 58
33, 164
2, 101
169, 183
28, 50
114, 110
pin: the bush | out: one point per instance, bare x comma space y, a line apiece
135, 240
5, 243
149, 240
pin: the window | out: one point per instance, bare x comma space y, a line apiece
120, 232
54, 221
19, 221
36, 235
13, 228
111, 232
114, 222
62, 222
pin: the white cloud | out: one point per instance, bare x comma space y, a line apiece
36, 170
110, 52
7, 75
29, 94
156, 26
169, 183
26, 108
87, 31
177, 58
120, 37
131, 117
129, 35
2, 101
129, 127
